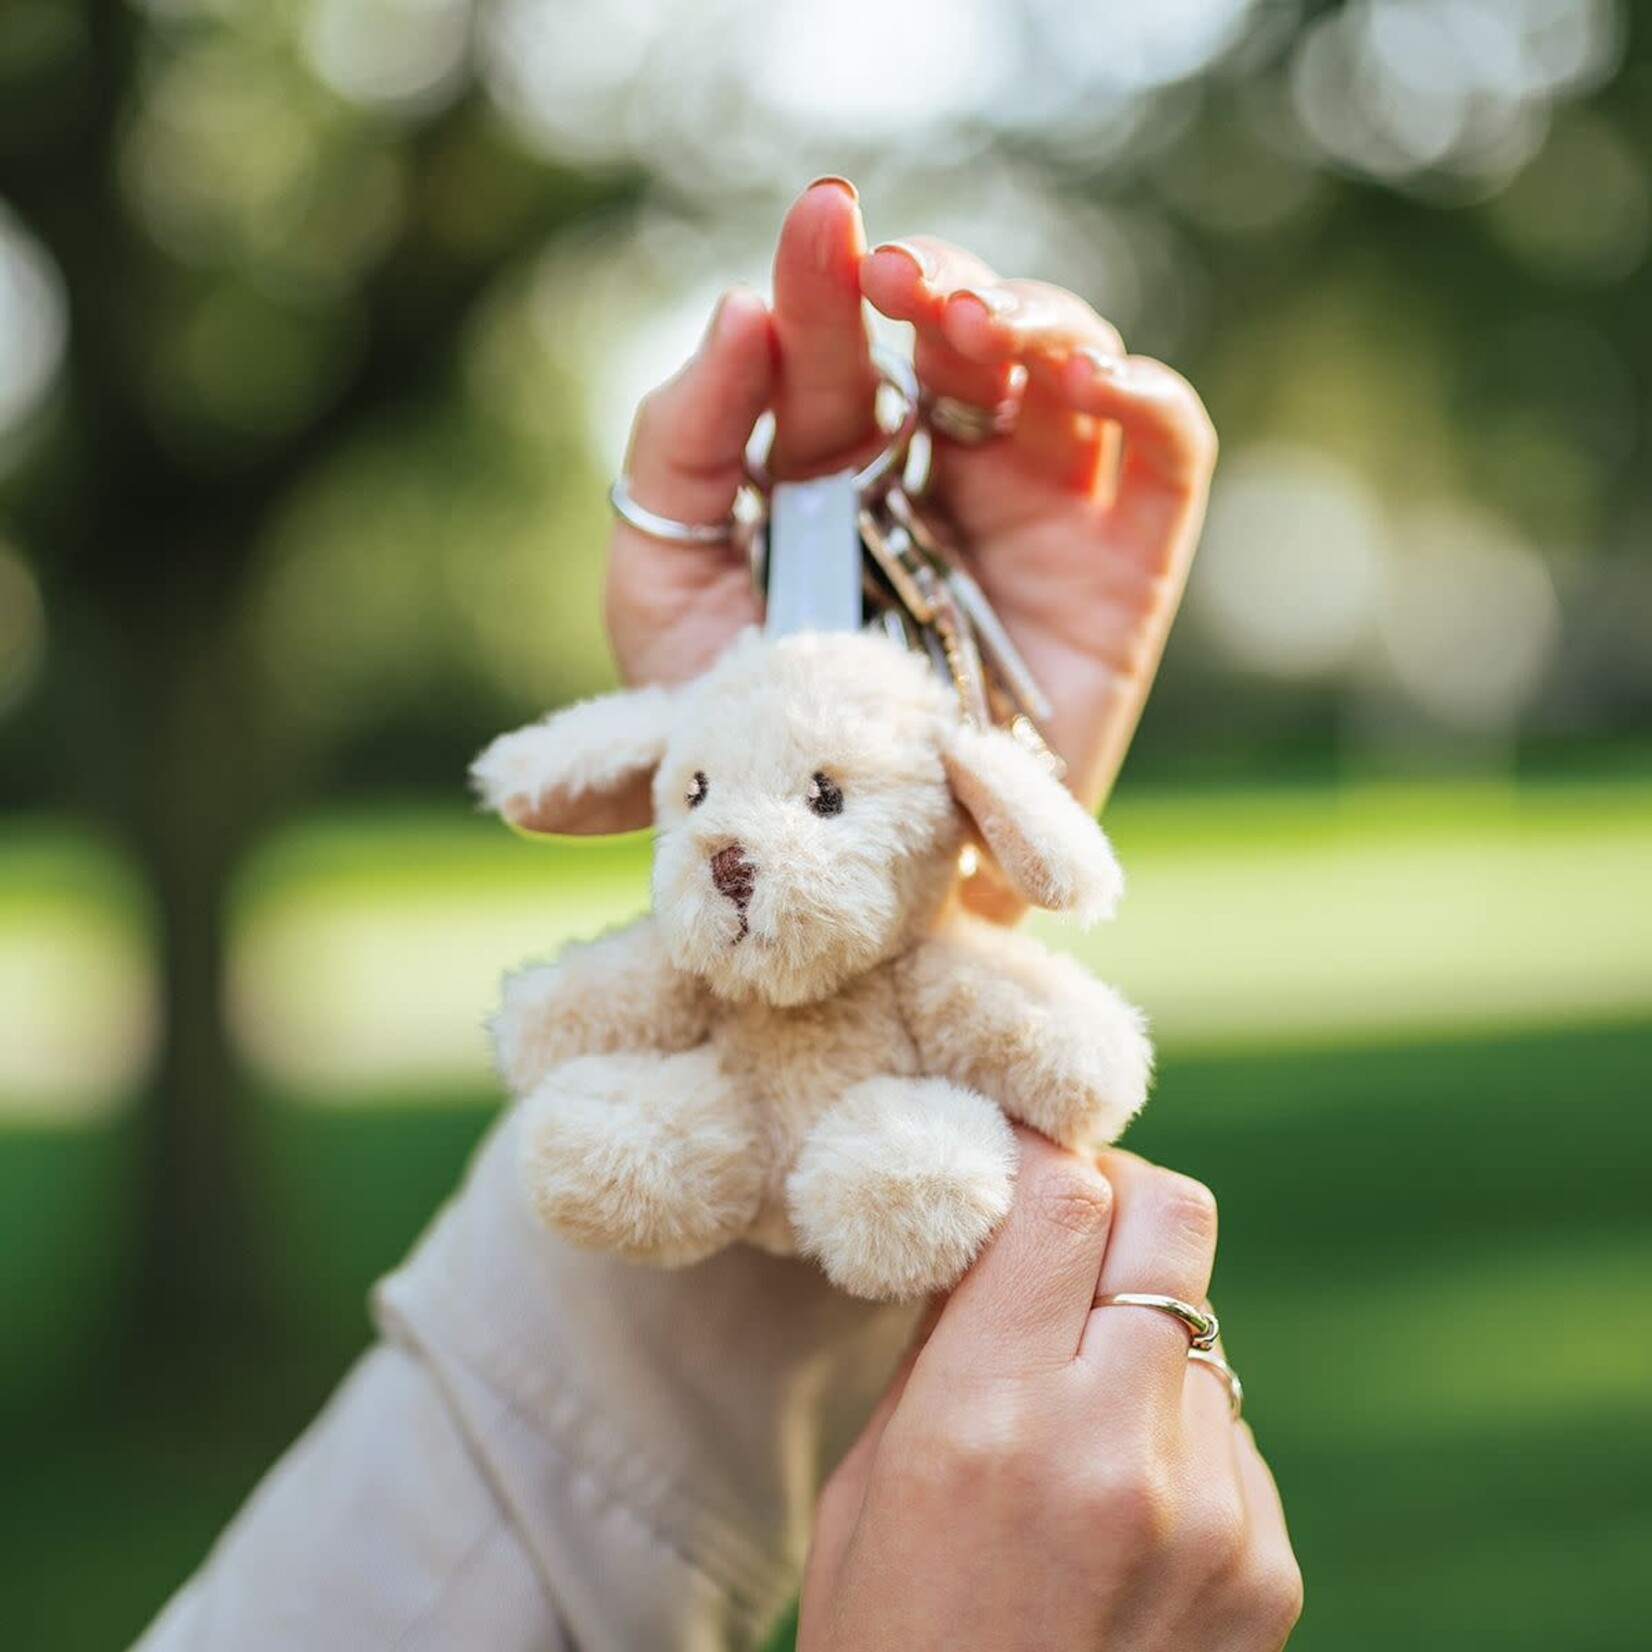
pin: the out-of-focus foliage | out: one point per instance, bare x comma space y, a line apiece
388, 274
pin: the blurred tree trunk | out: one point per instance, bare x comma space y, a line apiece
146, 554
193, 805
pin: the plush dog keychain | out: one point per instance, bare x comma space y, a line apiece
807, 1045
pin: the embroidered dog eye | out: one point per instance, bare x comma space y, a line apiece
697, 789
825, 796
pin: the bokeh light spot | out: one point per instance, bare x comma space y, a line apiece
401, 55
34, 327
1471, 620
1288, 578
1579, 210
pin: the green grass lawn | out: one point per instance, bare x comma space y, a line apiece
1436, 1276
1430, 1135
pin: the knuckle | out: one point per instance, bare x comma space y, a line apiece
1199, 428
1276, 1598
1136, 1507
1072, 1197
653, 411
1184, 408
1106, 334
1188, 1206
1214, 1536
957, 1452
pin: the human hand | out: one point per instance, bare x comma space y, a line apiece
1080, 524
1045, 1473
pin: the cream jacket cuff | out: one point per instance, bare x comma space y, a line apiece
551, 1448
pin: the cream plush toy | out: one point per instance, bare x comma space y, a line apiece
808, 1045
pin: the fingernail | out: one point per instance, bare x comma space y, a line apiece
994, 300
716, 321
915, 256
836, 183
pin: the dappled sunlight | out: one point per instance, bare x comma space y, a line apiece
335, 991
1471, 619
1291, 568
402, 56
78, 1002
1457, 88
1429, 911
34, 330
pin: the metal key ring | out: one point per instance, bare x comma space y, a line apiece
893, 370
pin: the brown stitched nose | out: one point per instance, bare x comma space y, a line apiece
734, 875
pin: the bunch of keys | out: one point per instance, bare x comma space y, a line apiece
855, 548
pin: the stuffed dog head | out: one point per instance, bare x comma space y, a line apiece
811, 794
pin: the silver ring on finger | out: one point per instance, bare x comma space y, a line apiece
967, 423
1202, 1327
1212, 1361
668, 528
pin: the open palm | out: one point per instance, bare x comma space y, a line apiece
1080, 524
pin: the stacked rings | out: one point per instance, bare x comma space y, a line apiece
1202, 1327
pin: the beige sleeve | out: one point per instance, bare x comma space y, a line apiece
551, 1448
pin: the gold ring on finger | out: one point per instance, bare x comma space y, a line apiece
1213, 1361
968, 423
1202, 1327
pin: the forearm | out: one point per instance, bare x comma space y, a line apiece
649, 1443
376, 1530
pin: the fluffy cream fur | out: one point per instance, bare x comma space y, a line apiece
583, 770
647, 1155
798, 1046
901, 1183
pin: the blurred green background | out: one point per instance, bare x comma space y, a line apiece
320, 324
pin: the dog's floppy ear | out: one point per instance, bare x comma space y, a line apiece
1046, 843
587, 769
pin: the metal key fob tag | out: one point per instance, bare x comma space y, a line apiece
814, 555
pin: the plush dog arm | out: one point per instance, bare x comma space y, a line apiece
997, 1012
617, 993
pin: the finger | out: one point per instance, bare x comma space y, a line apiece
825, 407
686, 454
1163, 1242
1207, 1416
910, 280
1276, 1579
1041, 326
1022, 1307
1169, 440
1020, 317
1216, 1519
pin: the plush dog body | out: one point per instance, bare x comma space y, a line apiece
807, 1045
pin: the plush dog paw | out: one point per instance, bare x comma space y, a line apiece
1088, 1074
652, 1156
900, 1184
